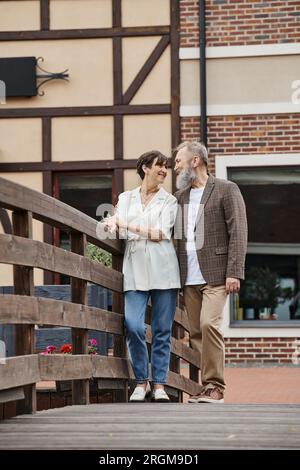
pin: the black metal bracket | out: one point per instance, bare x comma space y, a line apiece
48, 76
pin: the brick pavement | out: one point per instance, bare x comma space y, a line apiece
261, 385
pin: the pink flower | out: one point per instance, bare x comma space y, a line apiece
67, 348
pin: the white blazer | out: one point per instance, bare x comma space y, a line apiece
149, 265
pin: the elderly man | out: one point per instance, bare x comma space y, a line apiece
211, 232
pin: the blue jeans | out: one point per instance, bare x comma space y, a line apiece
163, 311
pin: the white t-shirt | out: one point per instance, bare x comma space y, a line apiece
194, 275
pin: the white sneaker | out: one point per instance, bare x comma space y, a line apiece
160, 395
139, 394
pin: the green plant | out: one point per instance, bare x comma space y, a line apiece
261, 289
98, 254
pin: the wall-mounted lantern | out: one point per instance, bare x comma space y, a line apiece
19, 74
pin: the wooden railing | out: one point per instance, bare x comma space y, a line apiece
19, 374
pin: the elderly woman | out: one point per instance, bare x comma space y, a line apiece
145, 217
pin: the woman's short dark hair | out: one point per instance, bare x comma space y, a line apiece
147, 159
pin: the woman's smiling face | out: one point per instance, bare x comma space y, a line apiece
157, 173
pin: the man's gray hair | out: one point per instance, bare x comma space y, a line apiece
195, 148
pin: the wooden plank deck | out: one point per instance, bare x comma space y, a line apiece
155, 426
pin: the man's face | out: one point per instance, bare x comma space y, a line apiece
184, 168
182, 160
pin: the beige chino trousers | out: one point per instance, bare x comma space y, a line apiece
204, 305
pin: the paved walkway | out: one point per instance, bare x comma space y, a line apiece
262, 385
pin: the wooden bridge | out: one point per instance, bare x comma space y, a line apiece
19, 374
155, 426
120, 424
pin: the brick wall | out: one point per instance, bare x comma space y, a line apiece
190, 128
241, 22
262, 350
246, 134
189, 23
245, 22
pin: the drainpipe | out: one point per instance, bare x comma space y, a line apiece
202, 44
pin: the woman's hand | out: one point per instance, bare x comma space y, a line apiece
110, 223
155, 235
114, 223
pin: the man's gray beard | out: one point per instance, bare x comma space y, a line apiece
185, 178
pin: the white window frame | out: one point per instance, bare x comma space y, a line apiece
222, 163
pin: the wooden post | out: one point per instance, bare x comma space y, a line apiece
80, 388
119, 341
175, 78
175, 360
194, 373
119, 347
193, 370
45, 15
23, 285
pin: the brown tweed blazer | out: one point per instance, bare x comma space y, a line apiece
223, 222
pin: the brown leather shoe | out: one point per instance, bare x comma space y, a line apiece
209, 395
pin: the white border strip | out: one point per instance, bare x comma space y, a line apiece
274, 248
241, 109
257, 160
191, 53
223, 162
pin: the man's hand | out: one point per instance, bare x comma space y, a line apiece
232, 285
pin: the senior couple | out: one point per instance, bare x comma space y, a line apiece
210, 237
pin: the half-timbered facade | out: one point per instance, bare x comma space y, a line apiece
79, 139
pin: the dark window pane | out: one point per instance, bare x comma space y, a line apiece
271, 290
85, 192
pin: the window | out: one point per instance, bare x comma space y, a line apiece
271, 290
85, 192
